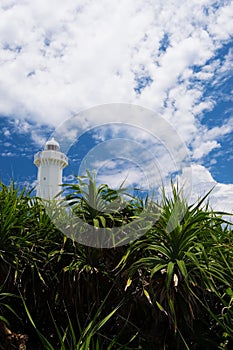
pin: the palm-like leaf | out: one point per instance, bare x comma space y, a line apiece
180, 260
97, 205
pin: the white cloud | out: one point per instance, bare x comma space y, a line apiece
7, 144
220, 198
222, 27
8, 154
72, 55
60, 57
205, 148
38, 139
6, 132
205, 141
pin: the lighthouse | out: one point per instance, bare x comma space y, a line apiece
50, 162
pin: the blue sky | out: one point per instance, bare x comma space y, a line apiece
173, 58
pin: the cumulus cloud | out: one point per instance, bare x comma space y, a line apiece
60, 57
220, 198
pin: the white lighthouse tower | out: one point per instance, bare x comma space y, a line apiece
50, 163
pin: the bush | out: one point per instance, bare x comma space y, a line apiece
169, 289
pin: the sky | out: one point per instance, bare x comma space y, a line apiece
66, 65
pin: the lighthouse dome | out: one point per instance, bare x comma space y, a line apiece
52, 145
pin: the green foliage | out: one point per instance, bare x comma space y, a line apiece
169, 289
183, 264
99, 206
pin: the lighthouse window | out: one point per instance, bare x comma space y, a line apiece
52, 147
44, 178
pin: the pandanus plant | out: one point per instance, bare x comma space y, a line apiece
181, 265
98, 205
174, 283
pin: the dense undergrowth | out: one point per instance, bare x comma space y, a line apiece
169, 289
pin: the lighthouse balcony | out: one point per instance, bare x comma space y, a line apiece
50, 157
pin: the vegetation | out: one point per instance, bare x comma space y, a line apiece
169, 289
